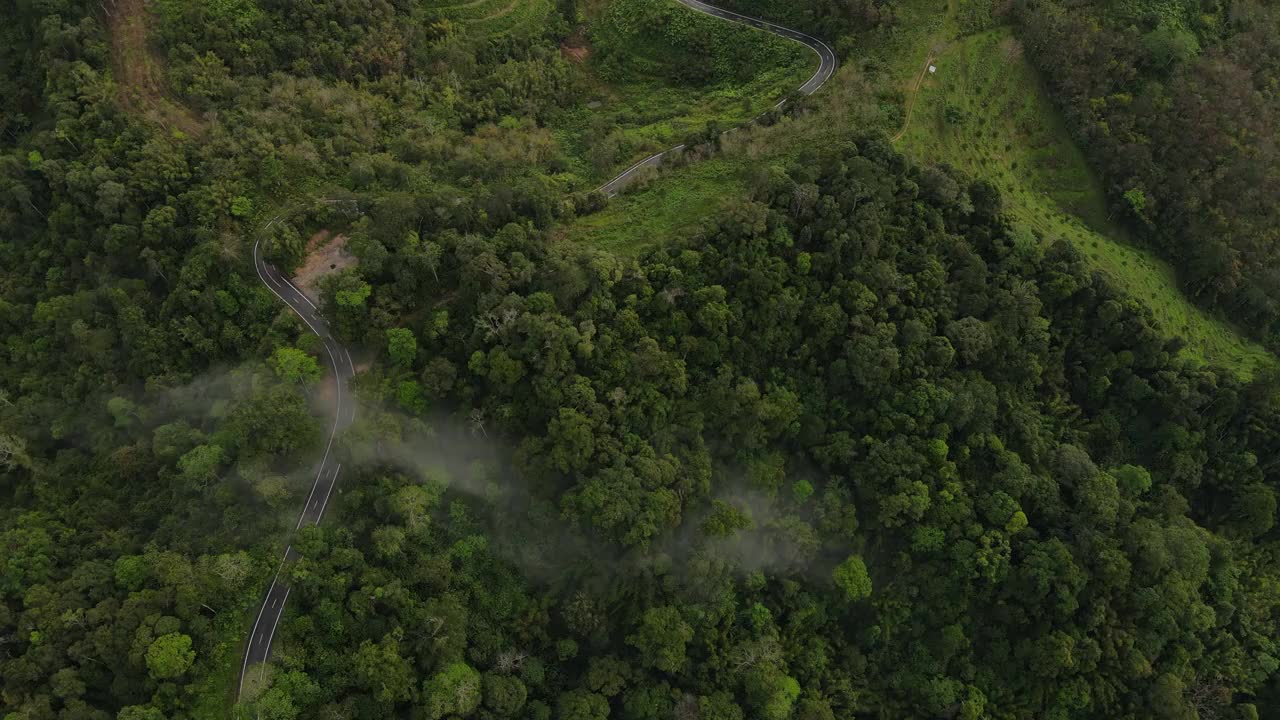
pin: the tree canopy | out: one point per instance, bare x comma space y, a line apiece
854, 447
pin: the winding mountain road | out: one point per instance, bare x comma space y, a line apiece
258, 645
826, 66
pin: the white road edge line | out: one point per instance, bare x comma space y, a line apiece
783, 32
640, 164
304, 295
337, 377
272, 636
249, 650
265, 277
332, 482
328, 447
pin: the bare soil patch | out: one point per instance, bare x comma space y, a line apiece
576, 48
326, 253
139, 73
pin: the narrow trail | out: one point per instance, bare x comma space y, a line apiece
915, 93
826, 66
258, 644
140, 78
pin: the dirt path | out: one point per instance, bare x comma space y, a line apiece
138, 72
915, 92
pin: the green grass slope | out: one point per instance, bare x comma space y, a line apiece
491, 17
675, 206
658, 72
985, 112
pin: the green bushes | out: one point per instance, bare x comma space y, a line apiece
684, 45
492, 17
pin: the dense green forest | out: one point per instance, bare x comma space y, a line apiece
859, 448
858, 451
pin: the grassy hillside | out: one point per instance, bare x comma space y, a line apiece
984, 111
677, 205
657, 72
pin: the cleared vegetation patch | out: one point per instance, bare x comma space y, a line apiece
138, 71
326, 253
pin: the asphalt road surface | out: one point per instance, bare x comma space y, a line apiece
826, 66
258, 647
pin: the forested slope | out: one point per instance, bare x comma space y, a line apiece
858, 450
155, 428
